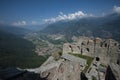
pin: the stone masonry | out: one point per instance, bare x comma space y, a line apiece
106, 49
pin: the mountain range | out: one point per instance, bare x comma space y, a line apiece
105, 27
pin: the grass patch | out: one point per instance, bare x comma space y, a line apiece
103, 65
88, 58
94, 78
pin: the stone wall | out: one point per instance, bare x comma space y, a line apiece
67, 70
106, 49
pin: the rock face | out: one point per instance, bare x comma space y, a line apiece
66, 68
66, 71
106, 49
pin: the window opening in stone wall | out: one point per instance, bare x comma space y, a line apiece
105, 44
71, 48
81, 51
97, 59
118, 62
88, 49
78, 47
115, 44
82, 43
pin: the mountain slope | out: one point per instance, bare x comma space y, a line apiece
105, 27
18, 52
14, 30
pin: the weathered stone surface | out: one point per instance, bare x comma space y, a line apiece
69, 71
65, 71
106, 49
69, 57
67, 48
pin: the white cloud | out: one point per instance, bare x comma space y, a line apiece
20, 23
61, 13
34, 22
76, 15
116, 9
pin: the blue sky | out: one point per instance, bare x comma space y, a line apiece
35, 11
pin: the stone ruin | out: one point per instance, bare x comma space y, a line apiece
70, 67
67, 68
105, 49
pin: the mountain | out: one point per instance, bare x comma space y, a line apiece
35, 28
110, 29
105, 27
14, 30
16, 51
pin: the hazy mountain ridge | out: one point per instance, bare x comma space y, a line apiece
105, 27
19, 31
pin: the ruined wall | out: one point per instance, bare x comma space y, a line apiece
71, 48
106, 49
66, 71
62, 69
67, 48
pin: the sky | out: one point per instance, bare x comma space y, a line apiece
24, 12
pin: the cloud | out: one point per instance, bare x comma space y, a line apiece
71, 16
116, 9
20, 23
61, 13
34, 22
